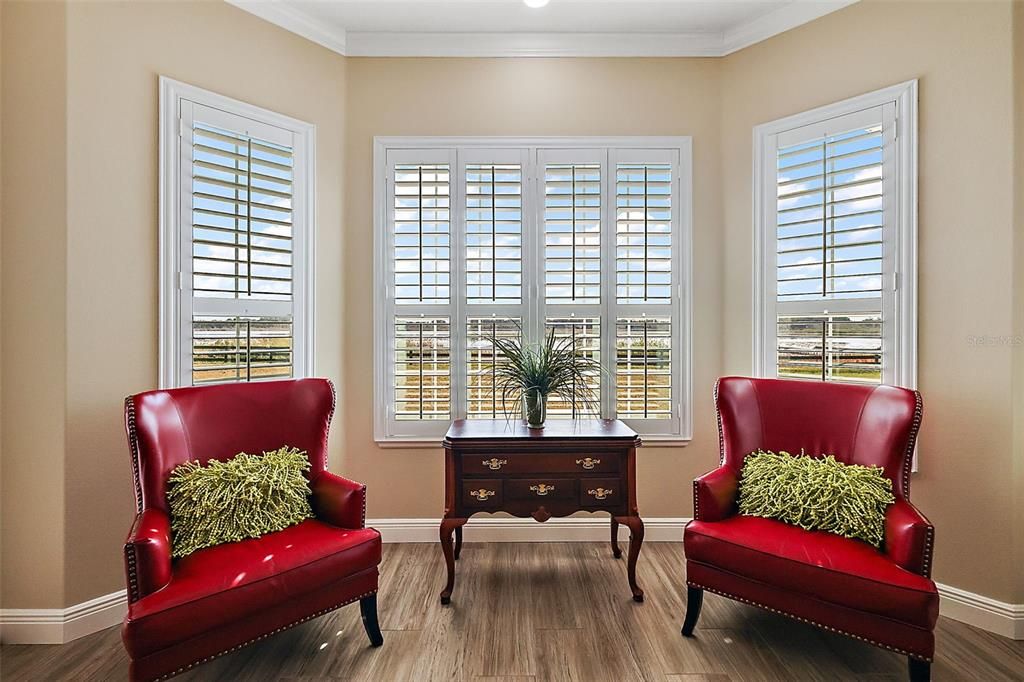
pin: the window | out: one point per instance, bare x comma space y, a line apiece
586, 238
835, 242
236, 229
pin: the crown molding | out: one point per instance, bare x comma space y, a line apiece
362, 44
497, 44
281, 13
779, 21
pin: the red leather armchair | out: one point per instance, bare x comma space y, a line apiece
186, 611
884, 597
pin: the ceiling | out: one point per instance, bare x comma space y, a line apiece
505, 28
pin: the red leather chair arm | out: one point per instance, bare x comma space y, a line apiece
147, 553
339, 501
909, 538
714, 495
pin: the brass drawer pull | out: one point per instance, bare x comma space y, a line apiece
588, 463
542, 489
482, 494
600, 493
494, 463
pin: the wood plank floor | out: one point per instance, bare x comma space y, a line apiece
546, 611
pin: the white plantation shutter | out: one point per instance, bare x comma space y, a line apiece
834, 220
648, 293
583, 335
422, 368
483, 240
494, 233
422, 233
643, 368
574, 223
420, 284
643, 233
484, 397
243, 233
572, 232
495, 243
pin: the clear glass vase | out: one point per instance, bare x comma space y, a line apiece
535, 407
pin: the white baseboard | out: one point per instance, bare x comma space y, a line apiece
501, 529
982, 612
59, 626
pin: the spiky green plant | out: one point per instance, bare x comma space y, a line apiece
529, 374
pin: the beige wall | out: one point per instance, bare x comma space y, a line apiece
525, 97
34, 296
84, 108
67, 496
962, 54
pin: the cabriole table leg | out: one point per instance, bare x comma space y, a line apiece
448, 526
636, 539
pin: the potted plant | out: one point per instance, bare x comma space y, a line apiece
529, 374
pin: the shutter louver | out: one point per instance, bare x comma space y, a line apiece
643, 368
241, 216
584, 335
830, 217
831, 347
240, 349
422, 368
572, 233
643, 254
422, 234
494, 233
483, 395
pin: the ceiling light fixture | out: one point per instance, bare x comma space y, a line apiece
536, 4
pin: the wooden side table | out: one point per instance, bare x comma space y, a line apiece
494, 465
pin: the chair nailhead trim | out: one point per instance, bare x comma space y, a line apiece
263, 636
696, 502
929, 541
133, 445
908, 454
133, 577
330, 418
721, 432
809, 622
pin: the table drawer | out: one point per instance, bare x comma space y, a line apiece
482, 492
541, 488
528, 463
601, 492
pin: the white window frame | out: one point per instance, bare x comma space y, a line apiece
463, 150
174, 334
899, 343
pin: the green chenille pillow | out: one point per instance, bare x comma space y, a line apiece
817, 494
244, 497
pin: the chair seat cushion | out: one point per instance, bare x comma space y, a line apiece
817, 564
219, 585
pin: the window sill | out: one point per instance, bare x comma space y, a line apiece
418, 443
662, 441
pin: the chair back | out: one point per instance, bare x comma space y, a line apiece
870, 425
169, 427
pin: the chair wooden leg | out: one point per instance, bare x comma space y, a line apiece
368, 609
920, 671
694, 600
